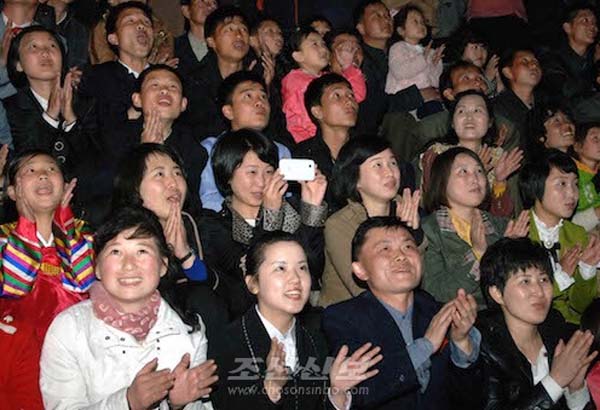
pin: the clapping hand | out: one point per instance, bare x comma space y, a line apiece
518, 228
408, 208
509, 162
191, 383
347, 372
463, 319
571, 360
277, 373
149, 386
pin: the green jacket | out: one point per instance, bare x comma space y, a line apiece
449, 262
588, 196
572, 301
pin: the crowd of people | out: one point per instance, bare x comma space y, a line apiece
444, 255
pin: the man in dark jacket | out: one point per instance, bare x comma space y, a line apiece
373, 21
419, 370
130, 34
569, 71
190, 47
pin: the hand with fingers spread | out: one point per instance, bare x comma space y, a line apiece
191, 383
438, 54
486, 156
347, 372
508, 163
313, 192
591, 253
153, 130
68, 193
344, 54
438, 327
275, 189
491, 68
570, 259
277, 374
149, 386
408, 208
174, 231
570, 359
463, 320
518, 228
478, 240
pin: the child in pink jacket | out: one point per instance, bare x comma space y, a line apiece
311, 55
412, 64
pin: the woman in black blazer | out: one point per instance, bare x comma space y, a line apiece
269, 357
530, 360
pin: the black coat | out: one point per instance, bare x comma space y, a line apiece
223, 254
203, 114
507, 378
245, 339
364, 319
183, 51
111, 86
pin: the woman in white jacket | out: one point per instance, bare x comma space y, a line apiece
127, 347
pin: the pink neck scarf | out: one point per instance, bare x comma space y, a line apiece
110, 312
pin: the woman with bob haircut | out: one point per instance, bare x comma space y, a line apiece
367, 176
245, 166
473, 127
152, 354
457, 231
152, 176
530, 357
287, 358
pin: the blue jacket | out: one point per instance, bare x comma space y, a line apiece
364, 319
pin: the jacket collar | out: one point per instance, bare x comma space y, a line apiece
420, 317
503, 349
444, 221
258, 341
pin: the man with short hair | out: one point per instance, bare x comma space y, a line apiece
244, 104
373, 21
130, 34
569, 70
332, 107
521, 72
228, 39
419, 370
190, 47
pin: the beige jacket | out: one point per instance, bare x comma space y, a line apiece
338, 282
